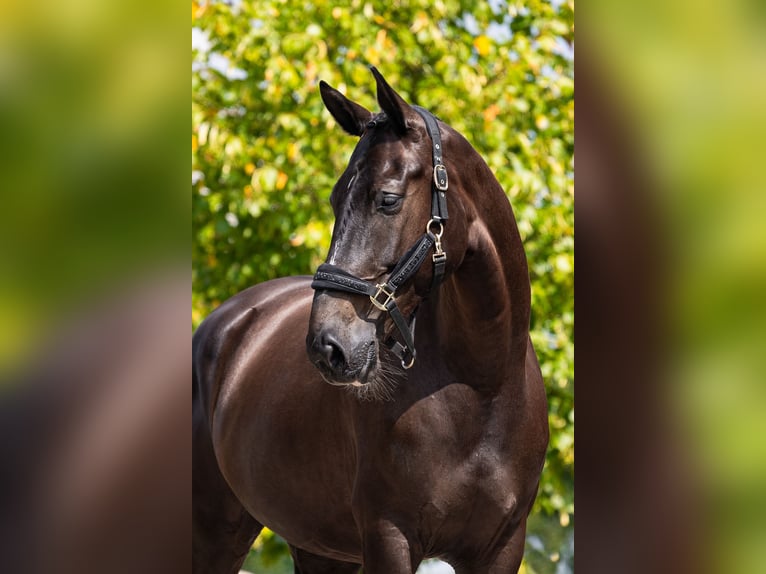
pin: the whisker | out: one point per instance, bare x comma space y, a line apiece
387, 376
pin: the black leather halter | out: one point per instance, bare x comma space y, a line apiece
383, 295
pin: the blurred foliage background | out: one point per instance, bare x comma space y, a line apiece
691, 79
91, 161
265, 155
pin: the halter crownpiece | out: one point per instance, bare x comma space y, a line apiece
383, 295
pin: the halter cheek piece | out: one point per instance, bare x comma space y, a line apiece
383, 295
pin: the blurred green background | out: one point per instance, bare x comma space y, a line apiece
91, 163
265, 155
692, 79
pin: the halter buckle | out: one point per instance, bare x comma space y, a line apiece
441, 181
382, 289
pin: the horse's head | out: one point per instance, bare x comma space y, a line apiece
390, 239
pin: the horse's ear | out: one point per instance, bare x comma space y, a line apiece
351, 116
392, 103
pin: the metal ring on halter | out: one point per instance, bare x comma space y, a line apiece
384, 289
408, 365
437, 222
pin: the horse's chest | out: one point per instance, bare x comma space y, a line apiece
440, 476
450, 502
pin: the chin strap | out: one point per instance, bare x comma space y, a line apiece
383, 295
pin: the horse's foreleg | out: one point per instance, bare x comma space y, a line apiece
507, 560
222, 530
509, 557
386, 550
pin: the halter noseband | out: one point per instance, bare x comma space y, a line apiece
383, 295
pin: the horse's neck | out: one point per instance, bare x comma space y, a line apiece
483, 308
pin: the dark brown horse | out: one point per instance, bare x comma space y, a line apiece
403, 456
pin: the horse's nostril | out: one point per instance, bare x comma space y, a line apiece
331, 352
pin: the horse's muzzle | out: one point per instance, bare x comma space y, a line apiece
338, 363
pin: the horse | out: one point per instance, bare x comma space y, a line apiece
390, 408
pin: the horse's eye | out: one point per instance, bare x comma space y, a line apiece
389, 202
